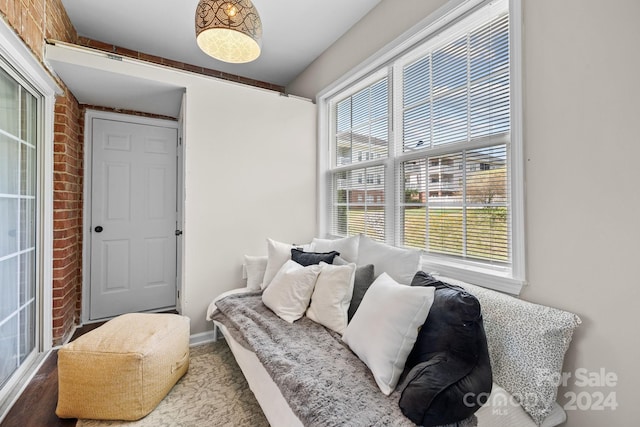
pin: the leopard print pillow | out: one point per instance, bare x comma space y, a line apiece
527, 343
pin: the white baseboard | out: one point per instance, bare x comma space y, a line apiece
195, 339
201, 338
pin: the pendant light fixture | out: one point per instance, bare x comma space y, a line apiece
229, 30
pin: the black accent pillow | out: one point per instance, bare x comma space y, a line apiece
448, 373
310, 258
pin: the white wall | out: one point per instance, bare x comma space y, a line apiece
250, 174
581, 145
379, 27
581, 66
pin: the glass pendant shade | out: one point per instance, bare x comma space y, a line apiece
229, 30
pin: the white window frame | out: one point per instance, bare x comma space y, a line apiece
19, 57
385, 62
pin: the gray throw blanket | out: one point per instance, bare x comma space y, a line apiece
323, 381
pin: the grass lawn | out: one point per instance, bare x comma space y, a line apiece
486, 237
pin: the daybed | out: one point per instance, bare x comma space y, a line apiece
303, 373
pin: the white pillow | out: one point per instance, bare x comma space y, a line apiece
278, 253
400, 264
289, 293
348, 247
255, 266
384, 329
332, 296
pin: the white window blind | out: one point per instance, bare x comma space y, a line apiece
438, 127
460, 91
361, 137
359, 202
455, 201
362, 125
457, 204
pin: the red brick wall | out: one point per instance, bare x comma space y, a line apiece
94, 44
67, 191
36, 20
26, 17
67, 216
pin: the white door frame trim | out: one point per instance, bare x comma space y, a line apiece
86, 190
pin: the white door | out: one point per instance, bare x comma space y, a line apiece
133, 218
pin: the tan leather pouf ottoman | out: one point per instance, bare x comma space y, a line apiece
124, 368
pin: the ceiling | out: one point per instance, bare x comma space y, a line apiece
116, 90
295, 32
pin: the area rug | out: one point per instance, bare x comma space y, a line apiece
212, 393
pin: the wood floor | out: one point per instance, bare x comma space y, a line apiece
37, 404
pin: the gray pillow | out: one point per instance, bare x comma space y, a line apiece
363, 279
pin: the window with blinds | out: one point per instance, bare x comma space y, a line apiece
362, 125
359, 202
457, 204
361, 137
460, 91
456, 201
444, 138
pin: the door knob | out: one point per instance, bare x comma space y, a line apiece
99, 229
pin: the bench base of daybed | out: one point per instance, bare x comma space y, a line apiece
279, 413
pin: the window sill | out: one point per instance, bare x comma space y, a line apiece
498, 280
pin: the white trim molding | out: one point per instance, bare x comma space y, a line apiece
202, 338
